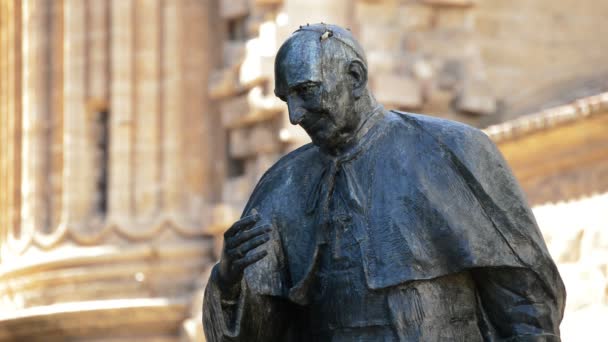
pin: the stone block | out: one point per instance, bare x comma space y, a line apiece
450, 3
222, 83
233, 110
316, 11
222, 217
249, 109
246, 142
238, 143
438, 101
415, 16
448, 44
586, 284
234, 53
380, 37
423, 70
451, 74
399, 91
268, 2
292, 136
256, 167
264, 138
381, 62
237, 189
454, 18
476, 97
385, 13
230, 9
267, 68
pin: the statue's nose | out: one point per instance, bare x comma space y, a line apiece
296, 112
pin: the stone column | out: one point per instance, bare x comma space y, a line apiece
56, 120
9, 118
147, 111
14, 124
3, 118
98, 53
121, 107
197, 111
172, 108
133, 277
79, 169
98, 74
36, 104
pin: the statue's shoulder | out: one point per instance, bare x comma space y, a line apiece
453, 134
292, 161
287, 167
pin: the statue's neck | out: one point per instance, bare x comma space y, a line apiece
367, 110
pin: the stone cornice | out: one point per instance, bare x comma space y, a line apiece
130, 317
102, 232
543, 120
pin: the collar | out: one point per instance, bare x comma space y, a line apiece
363, 137
319, 196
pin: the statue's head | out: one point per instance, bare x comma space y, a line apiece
321, 73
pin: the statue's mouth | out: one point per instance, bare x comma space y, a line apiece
311, 121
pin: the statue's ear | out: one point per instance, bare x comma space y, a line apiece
358, 71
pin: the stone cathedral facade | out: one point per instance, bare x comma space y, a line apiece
133, 131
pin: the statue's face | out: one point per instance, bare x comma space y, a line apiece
317, 90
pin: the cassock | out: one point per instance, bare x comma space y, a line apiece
418, 232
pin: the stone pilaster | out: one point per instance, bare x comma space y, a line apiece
147, 111
78, 166
98, 34
14, 123
121, 108
4, 48
36, 104
172, 107
197, 153
97, 98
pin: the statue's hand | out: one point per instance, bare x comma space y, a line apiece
239, 241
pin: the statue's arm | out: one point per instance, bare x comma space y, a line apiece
526, 303
516, 305
250, 305
521, 304
242, 315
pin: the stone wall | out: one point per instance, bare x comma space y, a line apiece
576, 234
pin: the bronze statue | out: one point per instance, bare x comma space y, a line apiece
390, 226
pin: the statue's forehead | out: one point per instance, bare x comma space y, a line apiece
300, 61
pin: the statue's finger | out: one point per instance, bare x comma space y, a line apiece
239, 225
253, 243
247, 235
250, 259
233, 253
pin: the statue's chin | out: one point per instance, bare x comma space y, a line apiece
328, 145
329, 139
323, 143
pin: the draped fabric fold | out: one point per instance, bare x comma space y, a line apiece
428, 199
320, 195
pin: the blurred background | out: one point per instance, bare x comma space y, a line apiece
133, 131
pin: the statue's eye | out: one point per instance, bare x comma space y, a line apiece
307, 89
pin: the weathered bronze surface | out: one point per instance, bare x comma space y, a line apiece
390, 226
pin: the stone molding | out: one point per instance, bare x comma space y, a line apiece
125, 317
133, 232
543, 120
